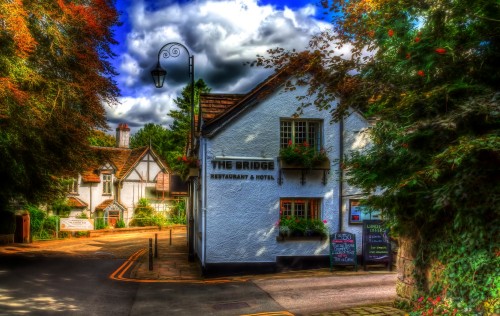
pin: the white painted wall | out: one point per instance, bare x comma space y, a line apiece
241, 214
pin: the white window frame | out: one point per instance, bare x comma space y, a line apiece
290, 129
290, 207
107, 180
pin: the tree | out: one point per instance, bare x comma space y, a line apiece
171, 143
154, 135
181, 126
101, 139
428, 72
55, 76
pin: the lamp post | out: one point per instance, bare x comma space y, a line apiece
173, 50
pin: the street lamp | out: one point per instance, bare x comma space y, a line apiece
173, 50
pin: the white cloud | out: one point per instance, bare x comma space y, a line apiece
222, 35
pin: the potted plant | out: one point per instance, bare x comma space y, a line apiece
290, 226
302, 155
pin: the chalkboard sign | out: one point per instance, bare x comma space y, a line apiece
376, 243
343, 250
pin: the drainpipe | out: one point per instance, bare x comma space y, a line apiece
341, 171
204, 203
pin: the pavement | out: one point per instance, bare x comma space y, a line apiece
170, 264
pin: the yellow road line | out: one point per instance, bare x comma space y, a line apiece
118, 274
126, 265
280, 313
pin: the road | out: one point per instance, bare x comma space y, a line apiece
74, 280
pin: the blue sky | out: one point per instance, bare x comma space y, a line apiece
221, 34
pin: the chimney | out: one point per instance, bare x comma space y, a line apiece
122, 135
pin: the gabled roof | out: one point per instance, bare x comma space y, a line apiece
215, 104
76, 202
123, 160
106, 203
220, 109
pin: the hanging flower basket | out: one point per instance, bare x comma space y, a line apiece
302, 156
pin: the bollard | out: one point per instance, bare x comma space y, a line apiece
150, 254
156, 245
170, 236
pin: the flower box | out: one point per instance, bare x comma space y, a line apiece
322, 165
281, 238
193, 172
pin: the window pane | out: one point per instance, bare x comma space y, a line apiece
285, 133
286, 208
301, 208
311, 135
300, 132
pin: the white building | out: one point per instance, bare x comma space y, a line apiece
243, 188
112, 187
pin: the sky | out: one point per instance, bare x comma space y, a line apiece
221, 34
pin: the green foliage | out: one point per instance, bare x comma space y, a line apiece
302, 154
61, 208
180, 128
144, 214
101, 139
100, 223
290, 225
42, 226
171, 143
178, 215
55, 76
120, 224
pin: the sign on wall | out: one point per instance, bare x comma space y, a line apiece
343, 250
376, 243
76, 224
359, 213
242, 169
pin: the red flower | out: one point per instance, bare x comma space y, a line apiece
405, 145
417, 39
440, 51
421, 73
325, 221
290, 143
408, 56
306, 144
390, 33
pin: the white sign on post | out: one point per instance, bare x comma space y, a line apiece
76, 224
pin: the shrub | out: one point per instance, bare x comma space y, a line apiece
120, 224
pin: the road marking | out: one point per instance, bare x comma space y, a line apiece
118, 274
280, 313
126, 265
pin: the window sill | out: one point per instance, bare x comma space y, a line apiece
299, 238
107, 194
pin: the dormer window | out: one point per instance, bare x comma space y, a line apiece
106, 183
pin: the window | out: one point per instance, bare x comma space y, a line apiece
106, 183
71, 185
299, 132
358, 213
300, 208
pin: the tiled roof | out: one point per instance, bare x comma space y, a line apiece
214, 104
104, 204
76, 202
123, 159
90, 176
219, 109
